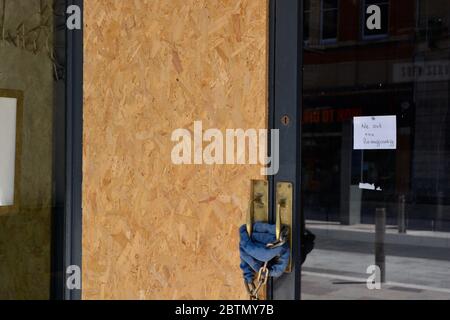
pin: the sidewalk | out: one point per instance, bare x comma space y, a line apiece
316, 286
417, 264
366, 232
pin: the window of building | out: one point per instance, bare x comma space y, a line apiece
384, 18
329, 20
306, 20
349, 194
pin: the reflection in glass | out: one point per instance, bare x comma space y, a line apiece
405, 74
329, 20
29, 66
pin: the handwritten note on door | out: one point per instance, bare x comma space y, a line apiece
375, 133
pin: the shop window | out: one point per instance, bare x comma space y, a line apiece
401, 192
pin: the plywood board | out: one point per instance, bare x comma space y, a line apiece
151, 229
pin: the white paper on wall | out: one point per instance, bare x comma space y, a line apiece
8, 112
375, 133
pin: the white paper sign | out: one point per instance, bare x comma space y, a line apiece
8, 109
375, 133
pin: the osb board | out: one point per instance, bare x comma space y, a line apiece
153, 230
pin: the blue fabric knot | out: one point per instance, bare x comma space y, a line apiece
254, 252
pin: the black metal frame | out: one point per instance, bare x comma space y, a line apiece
68, 132
285, 92
285, 85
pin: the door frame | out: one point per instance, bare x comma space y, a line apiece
285, 99
68, 157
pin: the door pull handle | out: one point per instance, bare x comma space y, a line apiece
258, 210
284, 217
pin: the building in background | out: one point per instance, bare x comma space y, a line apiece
402, 70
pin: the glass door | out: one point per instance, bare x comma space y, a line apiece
376, 149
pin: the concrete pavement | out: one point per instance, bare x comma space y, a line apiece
417, 265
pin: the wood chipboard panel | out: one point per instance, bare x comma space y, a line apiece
151, 229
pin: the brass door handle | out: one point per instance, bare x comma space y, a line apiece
283, 218
250, 213
281, 205
258, 210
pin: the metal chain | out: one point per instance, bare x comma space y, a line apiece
263, 274
261, 280
283, 239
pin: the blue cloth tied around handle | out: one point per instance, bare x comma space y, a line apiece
254, 252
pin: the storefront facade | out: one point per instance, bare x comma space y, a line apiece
97, 189
402, 70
